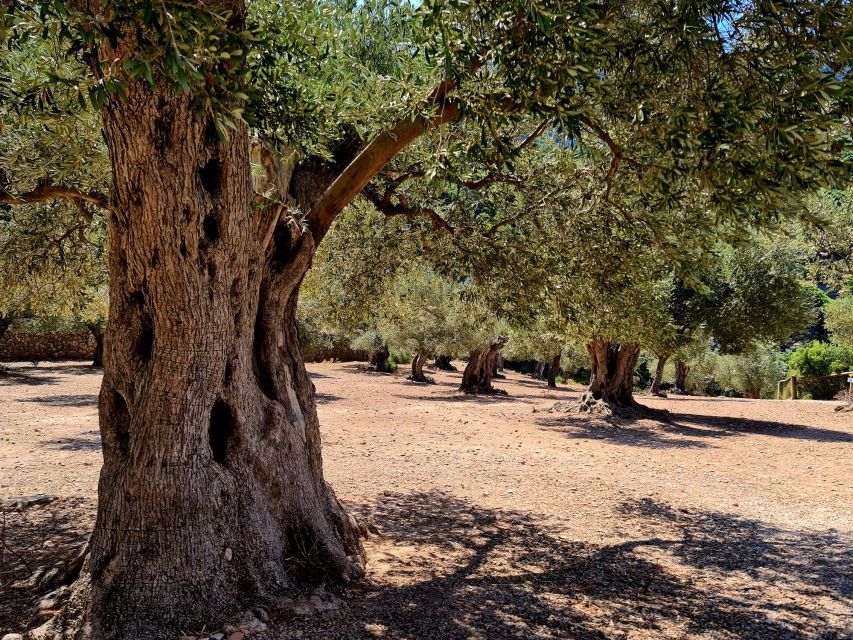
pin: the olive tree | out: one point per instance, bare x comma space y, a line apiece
207, 414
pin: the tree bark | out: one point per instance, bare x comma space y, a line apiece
611, 382
554, 371
538, 370
5, 321
478, 374
681, 372
211, 496
658, 379
444, 363
379, 358
418, 362
97, 332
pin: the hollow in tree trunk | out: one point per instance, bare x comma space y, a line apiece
418, 362
478, 373
681, 372
379, 358
97, 331
658, 379
444, 363
554, 371
611, 384
211, 496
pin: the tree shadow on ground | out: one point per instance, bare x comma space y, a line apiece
458, 396
455, 570
79, 400
87, 441
821, 560
325, 398
649, 434
730, 426
679, 430
543, 385
17, 376
34, 541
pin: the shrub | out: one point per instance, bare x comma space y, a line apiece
820, 359
755, 373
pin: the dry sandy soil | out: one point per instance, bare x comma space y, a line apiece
501, 519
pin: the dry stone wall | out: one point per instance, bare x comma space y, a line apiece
19, 344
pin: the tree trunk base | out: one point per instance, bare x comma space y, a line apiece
626, 408
68, 608
490, 391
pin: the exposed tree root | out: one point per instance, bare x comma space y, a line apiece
629, 410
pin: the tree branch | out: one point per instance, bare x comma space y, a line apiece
532, 136
403, 209
374, 157
47, 191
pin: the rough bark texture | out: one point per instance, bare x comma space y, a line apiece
481, 367
554, 371
681, 372
611, 384
444, 363
97, 332
379, 358
211, 496
539, 370
658, 379
418, 362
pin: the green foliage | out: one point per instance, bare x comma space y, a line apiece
820, 359
839, 320
759, 294
430, 314
755, 372
828, 239
642, 374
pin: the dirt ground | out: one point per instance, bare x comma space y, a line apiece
501, 519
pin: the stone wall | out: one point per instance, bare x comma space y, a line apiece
335, 353
19, 344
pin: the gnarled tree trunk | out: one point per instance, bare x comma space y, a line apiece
554, 371
418, 362
444, 363
538, 370
211, 496
97, 332
478, 374
611, 382
681, 372
658, 379
379, 358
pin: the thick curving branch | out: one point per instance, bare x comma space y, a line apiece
47, 191
375, 157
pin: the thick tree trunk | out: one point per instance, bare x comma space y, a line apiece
211, 496
554, 371
611, 384
538, 370
418, 362
379, 358
5, 321
97, 332
478, 374
681, 371
444, 363
658, 379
